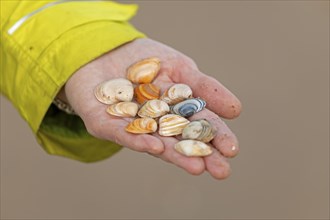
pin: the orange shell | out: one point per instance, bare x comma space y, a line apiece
142, 126
145, 92
143, 71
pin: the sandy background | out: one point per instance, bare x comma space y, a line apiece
274, 55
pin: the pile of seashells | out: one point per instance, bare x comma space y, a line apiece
167, 112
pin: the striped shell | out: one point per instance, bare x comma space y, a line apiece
200, 130
188, 107
143, 71
123, 109
176, 94
153, 109
114, 91
142, 126
145, 92
193, 148
171, 125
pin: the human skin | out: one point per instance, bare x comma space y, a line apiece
175, 68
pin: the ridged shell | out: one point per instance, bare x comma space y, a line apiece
142, 126
144, 71
145, 92
153, 109
171, 125
193, 148
200, 130
176, 94
188, 107
123, 109
114, 91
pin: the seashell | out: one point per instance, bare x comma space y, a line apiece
193, 148
200, 130
145, 92
176, 94
144, 71
188, 107
114, 91
171, 125
123, 109
153, 109
142, 126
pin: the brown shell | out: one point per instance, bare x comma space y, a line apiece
145, 92
123, 109
200, 130
144, 71
142, 126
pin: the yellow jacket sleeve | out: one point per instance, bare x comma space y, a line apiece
42, 44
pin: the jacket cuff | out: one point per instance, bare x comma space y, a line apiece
44, 52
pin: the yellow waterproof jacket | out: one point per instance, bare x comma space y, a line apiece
42, 44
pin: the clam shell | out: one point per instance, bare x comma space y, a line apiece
176, 94
123, 109
145, 92
114, 91
142, 126
200, 130
193, 148
188, 107
153, 109
144, 71
171, 125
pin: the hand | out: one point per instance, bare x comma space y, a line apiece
175, 68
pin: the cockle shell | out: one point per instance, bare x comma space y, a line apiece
171, 125
200, 130
188, 107
114, 91
154, 109
176, 94
193, 148
123, 109
142, 126
145, 92
144, 71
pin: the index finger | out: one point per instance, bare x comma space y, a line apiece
218, 98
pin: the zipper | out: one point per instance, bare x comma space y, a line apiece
21, 21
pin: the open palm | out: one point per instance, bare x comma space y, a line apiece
175, 68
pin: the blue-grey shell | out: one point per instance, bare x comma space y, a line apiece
188, 107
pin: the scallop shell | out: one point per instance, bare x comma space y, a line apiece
123, 109
144, 71
145, 92
193, 148
114, 91
142, 126
200, 130
176, 94
188, 107
171, 125
153, 109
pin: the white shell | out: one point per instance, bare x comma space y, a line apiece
193, 148
154, 109
123, 109
176, 94
171, 125
114, 91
